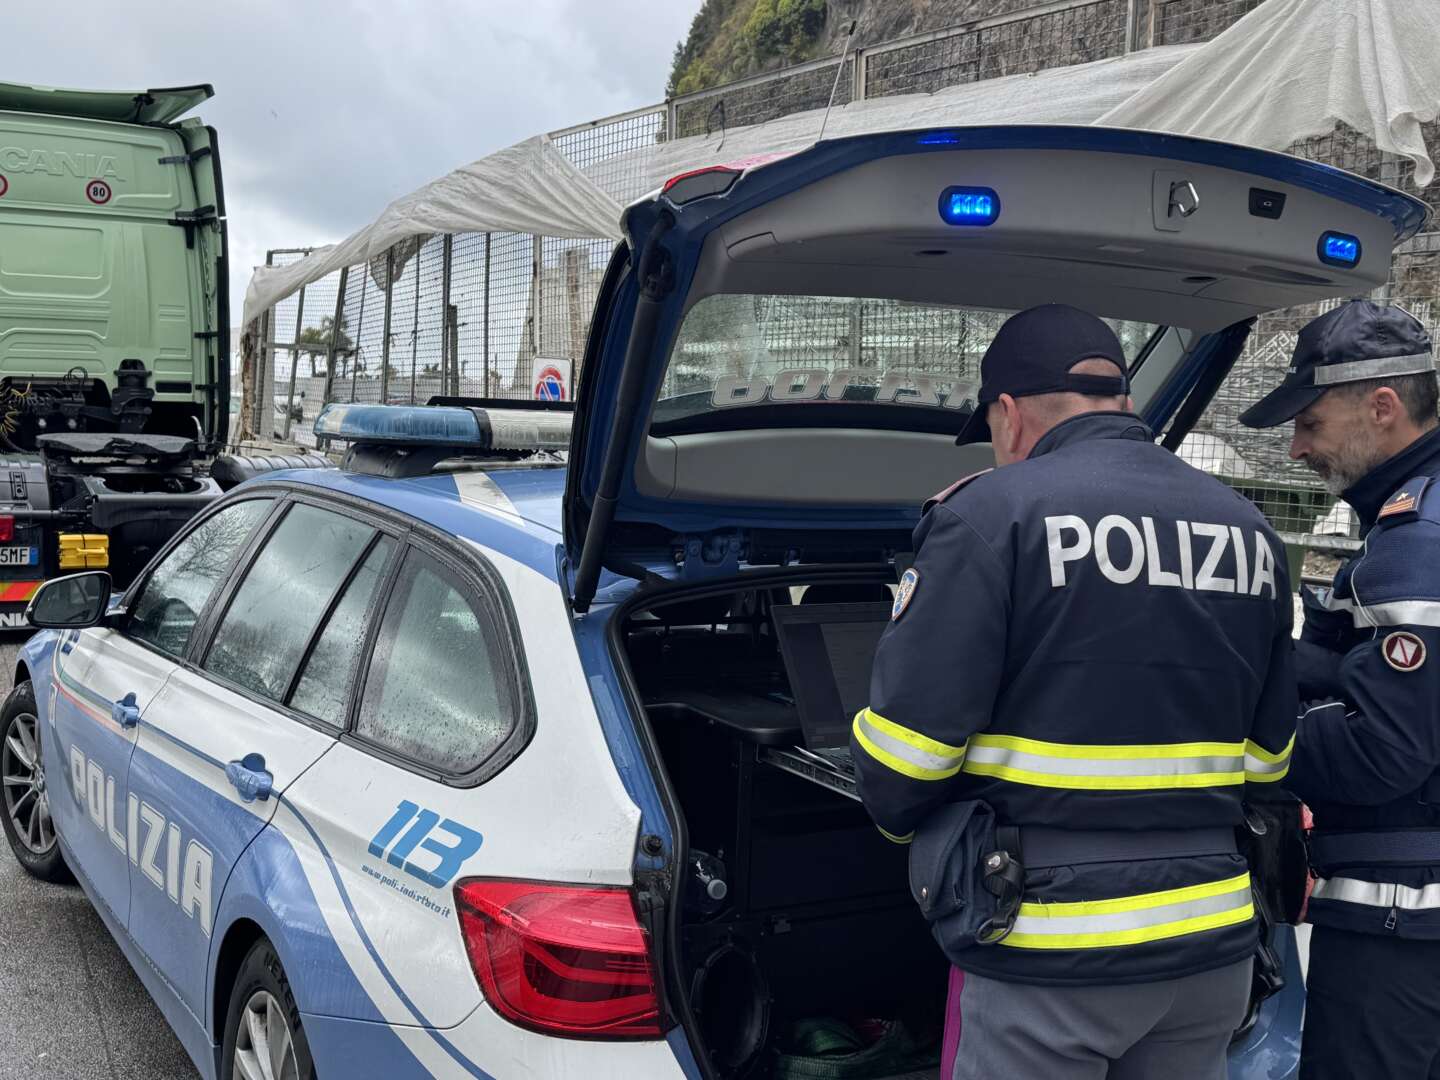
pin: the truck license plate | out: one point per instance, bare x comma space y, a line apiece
19, 556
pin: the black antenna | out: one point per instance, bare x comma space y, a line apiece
840, 70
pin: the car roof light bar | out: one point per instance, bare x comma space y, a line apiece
463, 429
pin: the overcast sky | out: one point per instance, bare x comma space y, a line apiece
329, 109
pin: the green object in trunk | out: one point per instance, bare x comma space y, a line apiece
830, 1049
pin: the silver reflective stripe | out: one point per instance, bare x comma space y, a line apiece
1389, 613
1072, 766
1413, 364
1257, 765
1417, 899
922, 759
1397, 613
1377, 893
1121, 921
1330, 602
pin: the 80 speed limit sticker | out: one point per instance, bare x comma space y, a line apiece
98, 192
4, 185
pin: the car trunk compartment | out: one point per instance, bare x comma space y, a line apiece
816, 923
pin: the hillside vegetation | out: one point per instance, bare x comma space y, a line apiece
730, 39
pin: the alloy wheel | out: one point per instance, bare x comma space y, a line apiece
264, 1046
27, 802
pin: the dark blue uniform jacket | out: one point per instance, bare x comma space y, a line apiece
1096, 638
1373, 764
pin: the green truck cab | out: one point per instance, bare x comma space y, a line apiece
114, 328
112, 265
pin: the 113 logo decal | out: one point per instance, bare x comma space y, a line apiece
424, 825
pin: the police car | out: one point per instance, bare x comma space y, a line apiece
462, 761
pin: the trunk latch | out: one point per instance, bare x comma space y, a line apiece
712, 555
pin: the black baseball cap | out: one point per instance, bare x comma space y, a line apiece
1033, 354
1356, 341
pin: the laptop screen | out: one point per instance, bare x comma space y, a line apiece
829, 650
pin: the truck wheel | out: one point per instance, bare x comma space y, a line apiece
263, 1036
24, 796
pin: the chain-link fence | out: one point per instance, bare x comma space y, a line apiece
479, 314
294, 340
1179, 22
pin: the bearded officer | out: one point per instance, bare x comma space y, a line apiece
1362, 393
1094, 639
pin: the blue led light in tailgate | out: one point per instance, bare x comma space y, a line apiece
1339, 249
969, 205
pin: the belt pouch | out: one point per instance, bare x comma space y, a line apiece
946, 874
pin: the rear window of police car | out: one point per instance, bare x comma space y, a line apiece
740, 351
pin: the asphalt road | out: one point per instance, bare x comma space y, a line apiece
71, 1007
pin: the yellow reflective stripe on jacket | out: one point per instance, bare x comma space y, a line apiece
907, 838
1133, 920
908, 752
1114, 768
1263, 767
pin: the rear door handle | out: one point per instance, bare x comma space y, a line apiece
250, 777
125, 712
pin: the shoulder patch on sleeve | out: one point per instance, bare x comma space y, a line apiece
941, 496
909, 582
1403, 651
1404, 505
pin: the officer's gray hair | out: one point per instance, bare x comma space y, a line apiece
1420, 394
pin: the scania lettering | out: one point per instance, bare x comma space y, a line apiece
59, 163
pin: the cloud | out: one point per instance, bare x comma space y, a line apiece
328, 111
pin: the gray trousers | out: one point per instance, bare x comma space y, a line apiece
1173, 1030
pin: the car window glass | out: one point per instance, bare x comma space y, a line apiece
433, 694
808, 353
171, 600
325, 681
283, 597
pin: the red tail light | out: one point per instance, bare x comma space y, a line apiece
7, 528
564, 960
721, 173
700, 183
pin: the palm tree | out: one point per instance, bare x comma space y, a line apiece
315, 340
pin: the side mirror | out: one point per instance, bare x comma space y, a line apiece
70, 603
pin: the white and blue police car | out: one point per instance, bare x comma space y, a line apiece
466, 760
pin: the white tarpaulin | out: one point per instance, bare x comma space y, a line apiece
1068, 95
530, 187
1292, 69
1289, 70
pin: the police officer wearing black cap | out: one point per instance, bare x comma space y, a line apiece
1095, 640
1362, 393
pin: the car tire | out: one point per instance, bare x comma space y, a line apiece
264, 1039
24, 797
